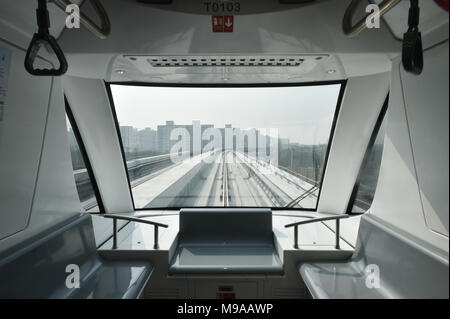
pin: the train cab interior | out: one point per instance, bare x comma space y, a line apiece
224, 149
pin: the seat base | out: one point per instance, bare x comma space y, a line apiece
226, 259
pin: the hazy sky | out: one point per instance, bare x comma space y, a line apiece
302, 114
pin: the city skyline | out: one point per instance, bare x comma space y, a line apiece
159, 138
302, 114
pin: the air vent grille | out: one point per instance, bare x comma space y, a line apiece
226, 61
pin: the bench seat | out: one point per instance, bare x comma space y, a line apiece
337, 281
38, 268
405, 266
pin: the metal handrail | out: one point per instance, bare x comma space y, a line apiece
115, 217
315, 220
103, 31
354, 30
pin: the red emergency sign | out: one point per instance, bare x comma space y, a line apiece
222, 23
228, 22
217, 23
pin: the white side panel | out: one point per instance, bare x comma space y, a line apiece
427, 108
397, 198
20, 144
363, 100
52, 195
89, 102
56, 197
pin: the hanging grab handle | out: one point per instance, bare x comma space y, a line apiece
101, 31
43, 37
353, 30
412, 50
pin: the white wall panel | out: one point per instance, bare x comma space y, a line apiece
56, 197
427, 108
37, 187
20, 144
397, 198
90, 106
361, 106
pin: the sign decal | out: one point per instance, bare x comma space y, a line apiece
222, 23
217, 23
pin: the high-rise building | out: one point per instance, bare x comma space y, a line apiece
130, 138
164, 132
148, 140
163, 135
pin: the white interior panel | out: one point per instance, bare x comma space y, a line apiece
287, 30
427, 104
363, 100
89, 103
55, 197
397, 197
24, 121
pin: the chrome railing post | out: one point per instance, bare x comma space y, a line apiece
311, 220
337, 234
136, 220
296, 237
156, 246
114, 233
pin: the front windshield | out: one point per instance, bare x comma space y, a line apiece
225, 146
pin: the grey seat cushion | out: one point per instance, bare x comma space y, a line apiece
407, 267
115, 280
337, 281
38, 268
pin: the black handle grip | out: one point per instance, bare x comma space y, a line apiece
32, 52
412, 52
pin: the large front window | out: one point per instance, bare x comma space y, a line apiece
226, 146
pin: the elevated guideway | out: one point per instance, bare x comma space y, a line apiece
222, 179
283, 186
140, 170
217, 179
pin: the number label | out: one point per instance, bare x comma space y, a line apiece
222, 6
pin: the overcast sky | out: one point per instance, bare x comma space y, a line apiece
301, 114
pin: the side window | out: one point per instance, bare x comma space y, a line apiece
82, 174
366, 184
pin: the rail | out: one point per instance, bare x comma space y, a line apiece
101, 31
115, 217
316, 220
354, 30
225, 191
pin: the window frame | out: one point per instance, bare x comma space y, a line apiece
340, 98
364, 163
87, 162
